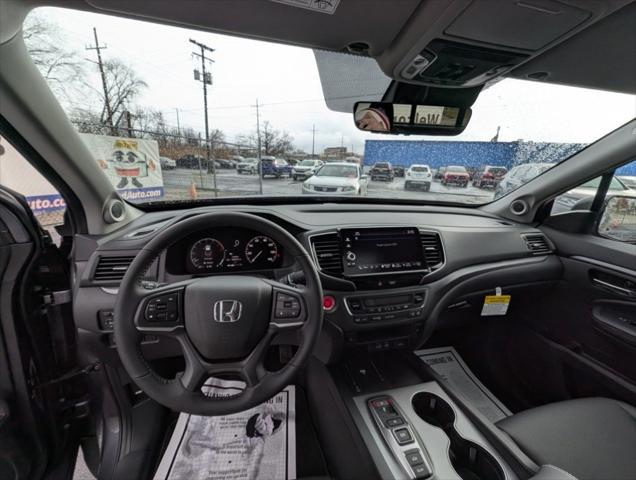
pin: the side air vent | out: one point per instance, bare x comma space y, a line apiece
537, 244
433, 252
112, 268
328, 253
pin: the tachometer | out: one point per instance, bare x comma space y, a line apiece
207, 253
262, 249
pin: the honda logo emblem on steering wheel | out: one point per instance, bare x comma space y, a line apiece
226, 311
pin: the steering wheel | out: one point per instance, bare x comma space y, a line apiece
224, 324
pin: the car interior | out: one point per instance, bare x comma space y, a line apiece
418, 339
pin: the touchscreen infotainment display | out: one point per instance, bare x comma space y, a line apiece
381, 250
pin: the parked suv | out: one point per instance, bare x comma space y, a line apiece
439, 173
192, 161
247, 165
519, 175
306, 168
418, 176
455, 175
382, 171
488, 176
167, 163
275, 167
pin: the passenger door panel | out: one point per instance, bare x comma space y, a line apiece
593, 312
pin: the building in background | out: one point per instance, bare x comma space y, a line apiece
332, 154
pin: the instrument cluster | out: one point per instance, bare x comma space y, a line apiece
225, 250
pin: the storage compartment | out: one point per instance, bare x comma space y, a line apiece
471, 461
524, 24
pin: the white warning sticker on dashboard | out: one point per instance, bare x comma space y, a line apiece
323, 6
495, 305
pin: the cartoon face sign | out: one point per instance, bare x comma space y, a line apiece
127, 162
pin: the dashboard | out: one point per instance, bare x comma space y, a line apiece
224, 250
392, 272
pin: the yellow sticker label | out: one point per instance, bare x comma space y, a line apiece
490, 299
495, 305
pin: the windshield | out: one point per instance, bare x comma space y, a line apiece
337, 171
419, 169
135, 101
307, 163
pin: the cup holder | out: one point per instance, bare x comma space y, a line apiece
471, 461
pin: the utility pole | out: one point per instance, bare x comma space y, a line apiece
313, 140
258, 149
206, 79
178, 124
109, 111
199, 161
129, 124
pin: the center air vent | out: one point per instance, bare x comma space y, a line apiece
112, 268
433, 252
328, 254
537, 244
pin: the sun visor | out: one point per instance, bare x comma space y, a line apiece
347, 79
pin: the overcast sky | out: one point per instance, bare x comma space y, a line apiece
285, 80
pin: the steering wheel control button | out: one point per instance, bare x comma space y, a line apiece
403, 436
105, 318
414, 457
287, 306
163, 308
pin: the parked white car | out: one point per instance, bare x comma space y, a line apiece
248, 165
167, 163
418, 175
337, 179
306, 168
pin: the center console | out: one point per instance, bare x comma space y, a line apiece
418, 433
376, 278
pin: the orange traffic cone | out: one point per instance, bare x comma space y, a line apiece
193, 191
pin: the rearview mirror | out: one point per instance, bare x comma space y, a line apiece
407, 119
618, 220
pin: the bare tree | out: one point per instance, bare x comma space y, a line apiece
122, 87
273, 142
59, 65
87, 121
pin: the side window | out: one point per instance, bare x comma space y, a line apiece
618, 216
19, 175
623, 185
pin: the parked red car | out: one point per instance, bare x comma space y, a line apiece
488, 176
455, 175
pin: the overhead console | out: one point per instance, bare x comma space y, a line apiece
473, 42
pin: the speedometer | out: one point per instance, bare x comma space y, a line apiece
261, 249
207, 253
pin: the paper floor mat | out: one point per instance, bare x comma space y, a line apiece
449, 364
259, 443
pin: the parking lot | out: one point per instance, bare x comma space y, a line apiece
178, 184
